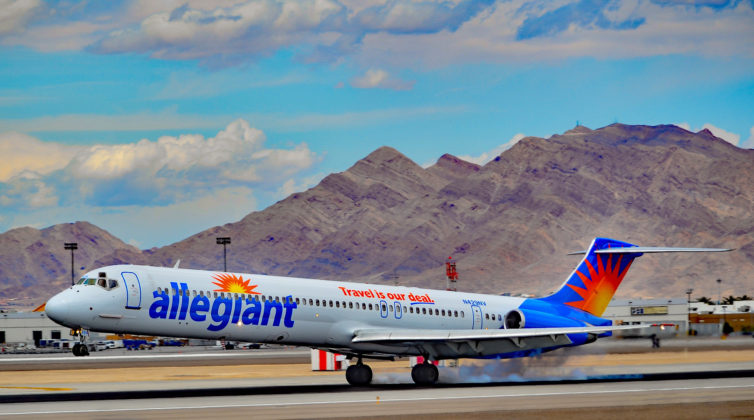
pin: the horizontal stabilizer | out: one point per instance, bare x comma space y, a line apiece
650, 250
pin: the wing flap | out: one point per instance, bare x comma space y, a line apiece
410, 335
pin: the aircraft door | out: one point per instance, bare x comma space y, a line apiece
398, 310
133, 287
477, 317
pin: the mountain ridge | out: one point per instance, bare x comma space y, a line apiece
509, 223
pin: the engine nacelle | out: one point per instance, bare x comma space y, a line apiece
527, 318
514, 319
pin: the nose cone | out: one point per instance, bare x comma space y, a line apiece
57, 308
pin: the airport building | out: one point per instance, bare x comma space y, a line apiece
668, 316
29, 327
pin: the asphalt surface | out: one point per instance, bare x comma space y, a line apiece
638, 382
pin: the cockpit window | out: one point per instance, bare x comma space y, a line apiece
107, 284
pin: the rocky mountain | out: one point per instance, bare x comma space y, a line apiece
510, 223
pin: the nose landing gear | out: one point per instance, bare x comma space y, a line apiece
80, 348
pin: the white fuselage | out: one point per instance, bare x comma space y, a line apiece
269, 309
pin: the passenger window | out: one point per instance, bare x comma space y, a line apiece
424, 311
443, 312
331, 304
370, 306
310, 302
455, 314
350, 305
461, 314
390, 308
337, 304
486, 316
298, 302
364, 306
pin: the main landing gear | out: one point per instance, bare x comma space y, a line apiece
424, 373
359, 374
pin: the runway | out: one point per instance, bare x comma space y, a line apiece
696, 398
711, 383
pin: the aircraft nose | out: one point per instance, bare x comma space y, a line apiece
57, 308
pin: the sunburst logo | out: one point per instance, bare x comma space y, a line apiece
234, 284
600, 284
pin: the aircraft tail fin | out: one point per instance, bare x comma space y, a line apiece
595, 280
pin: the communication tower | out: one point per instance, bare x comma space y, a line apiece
451, 273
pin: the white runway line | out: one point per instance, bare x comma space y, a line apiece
184, 406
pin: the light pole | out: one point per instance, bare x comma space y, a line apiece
688, 302
224, 241
72, 246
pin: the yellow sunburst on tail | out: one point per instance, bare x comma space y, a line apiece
233, 284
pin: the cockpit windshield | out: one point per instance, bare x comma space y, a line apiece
107, 284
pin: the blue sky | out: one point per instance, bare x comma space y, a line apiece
155, 120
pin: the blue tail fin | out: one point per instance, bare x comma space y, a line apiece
591, 286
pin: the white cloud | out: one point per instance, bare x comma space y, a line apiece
488, 156
146, 172
22, 153
160, 225
492, 36
749, 144
44, 196
377, 78
683, 125
169, 120
148, 226
293, 186
382, 32
731, 138
165, 120
15, 13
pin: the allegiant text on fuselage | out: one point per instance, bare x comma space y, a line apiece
221, 310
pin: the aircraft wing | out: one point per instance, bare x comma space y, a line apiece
448, 344
411, 335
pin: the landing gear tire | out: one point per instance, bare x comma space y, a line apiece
76, 349
359, 374
424, 374
84, 350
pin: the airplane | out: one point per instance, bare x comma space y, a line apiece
355, 319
